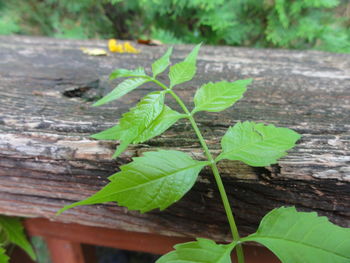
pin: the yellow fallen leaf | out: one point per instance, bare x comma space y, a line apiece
129, 48
113, 46
94, 51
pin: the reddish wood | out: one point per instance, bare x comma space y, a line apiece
64, 251
150, 243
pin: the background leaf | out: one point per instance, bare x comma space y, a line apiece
162, 63
15, 234
256, 144
156, 180
185, 70
122, 73
302, 237
123, 88
215, 97
3, 257
200, 251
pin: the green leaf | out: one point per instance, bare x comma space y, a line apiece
302, 237
123, 73
143, 114
162, 63
123, 88
256, 144
160, 124
156, 180
200, 251
215, 97
124, 144
113, 133
148, 119
185, 70
163, 122
15, 234
192, 56
135, 121
3, 257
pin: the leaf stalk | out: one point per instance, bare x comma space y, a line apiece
226, 203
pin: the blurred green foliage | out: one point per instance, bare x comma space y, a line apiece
299, 24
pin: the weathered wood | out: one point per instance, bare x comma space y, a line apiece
48, 160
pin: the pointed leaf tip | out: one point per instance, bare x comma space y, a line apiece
155, 180
122, 88
184, 71
162, 63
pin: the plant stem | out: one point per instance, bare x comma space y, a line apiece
215, 170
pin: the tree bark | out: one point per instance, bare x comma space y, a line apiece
47, 159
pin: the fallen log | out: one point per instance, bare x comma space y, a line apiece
47, 159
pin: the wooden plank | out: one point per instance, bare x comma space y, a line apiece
64, 251
75, 233
133, 241
47, 159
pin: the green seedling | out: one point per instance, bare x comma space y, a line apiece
160, 178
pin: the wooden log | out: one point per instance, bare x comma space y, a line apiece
47, 159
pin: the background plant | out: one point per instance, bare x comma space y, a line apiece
299, 24
160, 178
12, 233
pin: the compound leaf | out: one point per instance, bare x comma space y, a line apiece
163, 122
215, 97
200, 251
302, 237
156, 180
15, 234
123, 88
162, 63
3, 257
256, 144
185, 70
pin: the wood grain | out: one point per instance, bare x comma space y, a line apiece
47, 159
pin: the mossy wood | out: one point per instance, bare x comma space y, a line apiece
48, 160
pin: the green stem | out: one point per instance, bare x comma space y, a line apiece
215, 170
